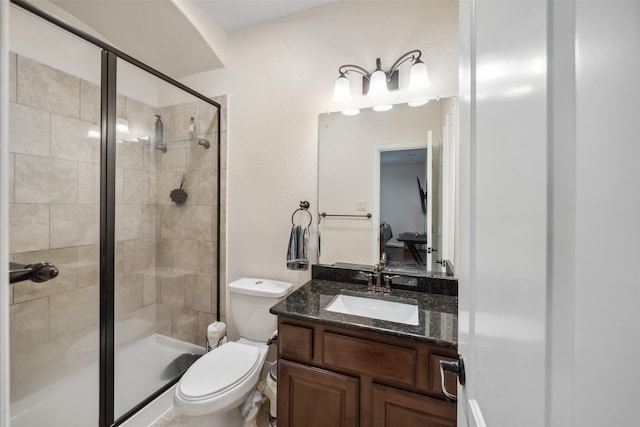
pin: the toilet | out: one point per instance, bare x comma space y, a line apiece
217, 384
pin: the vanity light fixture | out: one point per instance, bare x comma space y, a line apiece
380, 82
418, 102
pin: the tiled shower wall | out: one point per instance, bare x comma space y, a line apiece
165, 254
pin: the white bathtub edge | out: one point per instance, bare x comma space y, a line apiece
153, 411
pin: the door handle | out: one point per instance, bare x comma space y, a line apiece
40, 272
455, 367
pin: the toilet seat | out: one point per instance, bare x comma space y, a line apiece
218, 371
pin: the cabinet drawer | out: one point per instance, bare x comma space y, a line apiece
381, 361
295, 342
452, 379
392, 407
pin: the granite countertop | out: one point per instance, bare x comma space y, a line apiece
438, 318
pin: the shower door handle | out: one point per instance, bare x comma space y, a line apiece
40, 272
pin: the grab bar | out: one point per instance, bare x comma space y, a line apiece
40, 272
324, 215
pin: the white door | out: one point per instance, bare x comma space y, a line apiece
503, 213
429, 193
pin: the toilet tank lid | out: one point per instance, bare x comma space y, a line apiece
260, 287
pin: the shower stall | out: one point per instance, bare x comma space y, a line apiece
116, 178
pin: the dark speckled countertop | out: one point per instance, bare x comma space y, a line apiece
438, 319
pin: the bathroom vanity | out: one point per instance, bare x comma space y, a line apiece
341, 369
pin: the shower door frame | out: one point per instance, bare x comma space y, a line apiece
109, 58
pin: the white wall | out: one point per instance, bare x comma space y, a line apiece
279, 77
399, 202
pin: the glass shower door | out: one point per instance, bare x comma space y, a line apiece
54, 114
166, 216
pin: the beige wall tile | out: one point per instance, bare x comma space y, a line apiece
223, 186
149, 216
69, 140
223, 150
173, 221
28, 227
139, 256
128, 294
139, 187
223, 223
73, 311
89, 102
13, 71
207, 259
129, 155
223, 279
12, 172
180, 255
119, 267
64, 259
88, 265
44, 180
198, 157
172, 288
197, 293
176, 119
175, 159
121, 106
29, 324
199, 224
164, 319
150, 288
207, 118
74, 225
147, 313
204, 320
222, 100
119, 185
29, 130
151, 157
128, 222
185, 324
44, 87
141, 118
88, 183
207, 187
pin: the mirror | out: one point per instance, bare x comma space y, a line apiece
387, 184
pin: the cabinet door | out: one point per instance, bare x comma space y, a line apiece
313, 397
391, 407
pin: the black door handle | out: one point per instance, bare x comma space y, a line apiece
40, 272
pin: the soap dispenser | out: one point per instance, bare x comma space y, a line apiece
159, 131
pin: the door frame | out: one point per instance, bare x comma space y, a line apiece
377, 150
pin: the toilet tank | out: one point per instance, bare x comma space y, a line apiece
251, 299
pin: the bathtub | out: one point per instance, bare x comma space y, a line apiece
74, 400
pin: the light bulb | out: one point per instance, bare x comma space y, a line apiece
341, 90
351, 112
419, 76
384, 107
378, 84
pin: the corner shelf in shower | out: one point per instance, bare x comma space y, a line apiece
163, 147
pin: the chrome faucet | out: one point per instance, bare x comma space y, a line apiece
377, 274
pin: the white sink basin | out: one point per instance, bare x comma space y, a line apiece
374, 309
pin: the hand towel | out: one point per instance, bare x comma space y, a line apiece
298, 252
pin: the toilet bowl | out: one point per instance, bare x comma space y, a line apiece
214, 387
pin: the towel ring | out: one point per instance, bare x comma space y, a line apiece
304, 206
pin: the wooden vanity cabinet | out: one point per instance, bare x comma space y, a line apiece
331, 376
